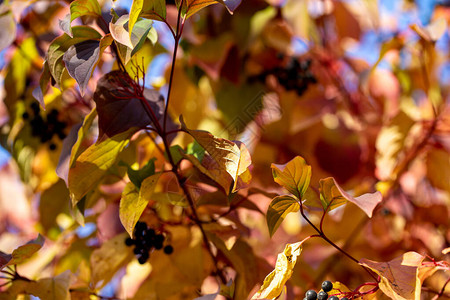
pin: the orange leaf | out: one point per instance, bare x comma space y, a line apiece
399, 277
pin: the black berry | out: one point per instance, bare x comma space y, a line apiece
322, 295
52, 147
129, 242
168, 249
333, 298
143, 258
311, 295
327, 286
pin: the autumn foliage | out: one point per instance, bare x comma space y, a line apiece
224, 149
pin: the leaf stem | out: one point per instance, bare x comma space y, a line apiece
324, 237
177, 36
441, 292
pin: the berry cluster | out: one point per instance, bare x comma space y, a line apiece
45, 128
295, 75
323, 294
145, 240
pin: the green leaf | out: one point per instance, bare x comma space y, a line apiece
61, 44
294, 176
333, 196
196, 150
177, 153
24, 252
95, 161
278, 210
79, 8
137, 176
140, 33
229, 159
274, 282
108, 259
152, 9
134, 39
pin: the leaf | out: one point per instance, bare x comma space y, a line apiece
399, 277
135, 39
152, 9
140, 33
8, 32
24, 252
61, 44
190, 7
38, 92
46, 288
120, 104
333, 196
432, 32
275, 281
293, 176
52, 288
338, 289
134, 202
232, 159
278, 210
109, 258
4, 259
390, 144
196, 150
137, 176
243, 261
82, 58
95, 161
438, 168
79, 8
82, 132
53, 201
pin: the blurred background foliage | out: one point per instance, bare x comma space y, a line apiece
360, 89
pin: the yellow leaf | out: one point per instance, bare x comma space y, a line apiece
231, 159
24, 252
46, 288
278, 209
332, 196
294, 176
399, 277
134, 202
91, 166
109, 258
275, 281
